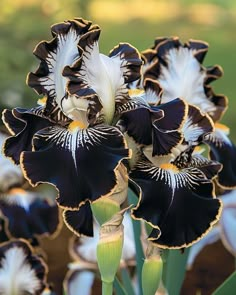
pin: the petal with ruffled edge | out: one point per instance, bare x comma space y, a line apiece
20, 270
54, 55
88, 158
178, 203
223, 150
24, 124
101, 76
27, 215
179, 72
196, 125
80, 221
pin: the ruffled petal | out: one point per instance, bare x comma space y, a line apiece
223, 150
28, 215
196, 125
54, 55
24, 124
20, 269
178, 70
80, 221
171, 201
88, 158
97, 75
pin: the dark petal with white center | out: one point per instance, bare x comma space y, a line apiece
131, 61
40, 218
80, 164
21, 266
223, 150
80, 221
196, 125
25, 123
179, 205
55, 55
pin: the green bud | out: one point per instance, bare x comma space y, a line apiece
109, 248
151, 271
104, 208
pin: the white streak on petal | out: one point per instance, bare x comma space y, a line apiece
191, 131
184, 78
16, 275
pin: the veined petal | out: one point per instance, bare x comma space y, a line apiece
223, 150
24, 124
196, 125
20, 270
172, 200
105, 77
61, 51
27, 215
179, 72
90, 159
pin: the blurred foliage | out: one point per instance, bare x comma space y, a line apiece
24, 23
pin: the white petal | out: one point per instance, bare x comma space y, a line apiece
16, 275
80, 282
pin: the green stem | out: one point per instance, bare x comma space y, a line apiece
107, 288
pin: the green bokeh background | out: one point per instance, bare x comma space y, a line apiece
24, 23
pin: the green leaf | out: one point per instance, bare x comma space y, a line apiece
138, 246
127, 281
174, 269
119, 288
228, 287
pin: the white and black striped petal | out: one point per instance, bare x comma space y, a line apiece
54, 55
102, 77
28, 215
23, 124
177, 203
196, 125
80, 221
21, 271
81, 163
223, 150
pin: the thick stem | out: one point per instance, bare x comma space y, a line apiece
107, 288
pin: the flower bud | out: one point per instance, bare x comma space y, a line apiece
152, 270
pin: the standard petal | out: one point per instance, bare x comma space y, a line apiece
20, 270
25, 123
172, 201
223, 150
88, 158
54, 55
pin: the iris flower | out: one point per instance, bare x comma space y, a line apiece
21, 271
59, 141
175, 70
100, 119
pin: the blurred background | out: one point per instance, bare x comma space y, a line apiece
24, 23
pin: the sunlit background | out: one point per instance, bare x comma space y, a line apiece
23, 23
